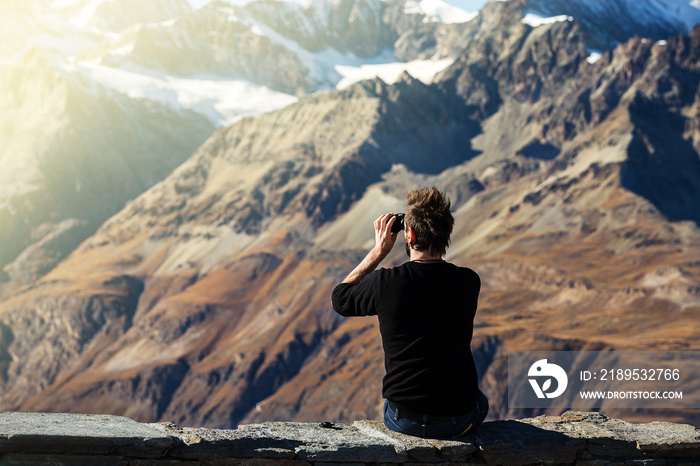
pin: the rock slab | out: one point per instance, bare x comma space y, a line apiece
572, 438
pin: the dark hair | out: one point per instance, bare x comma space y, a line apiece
428, 212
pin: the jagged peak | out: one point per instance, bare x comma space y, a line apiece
406, 78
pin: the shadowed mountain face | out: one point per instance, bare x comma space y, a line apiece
205, 301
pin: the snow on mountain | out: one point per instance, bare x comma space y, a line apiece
534, 20
423, 70
441, 11
222, 101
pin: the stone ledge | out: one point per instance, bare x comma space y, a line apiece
572, 438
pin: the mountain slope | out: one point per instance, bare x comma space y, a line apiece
67, 136
220, 220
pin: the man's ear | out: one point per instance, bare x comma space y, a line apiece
410, 235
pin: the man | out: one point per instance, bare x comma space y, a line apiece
426, 310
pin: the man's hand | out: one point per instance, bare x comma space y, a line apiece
384, 241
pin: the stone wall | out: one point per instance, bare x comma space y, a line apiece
572, 438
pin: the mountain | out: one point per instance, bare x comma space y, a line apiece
303, 160
143, 86
608, 23
255, 41
74, 153
205, 301
221, 62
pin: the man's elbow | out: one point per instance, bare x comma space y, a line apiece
345, 301
336, 304
336, 307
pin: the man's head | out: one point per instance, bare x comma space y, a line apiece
428, 214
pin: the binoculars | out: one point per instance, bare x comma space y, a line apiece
398, 223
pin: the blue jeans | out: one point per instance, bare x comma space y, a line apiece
450, 428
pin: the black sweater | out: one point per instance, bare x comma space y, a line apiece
426, 319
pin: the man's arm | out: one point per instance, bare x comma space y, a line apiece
348, 299
383, 243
